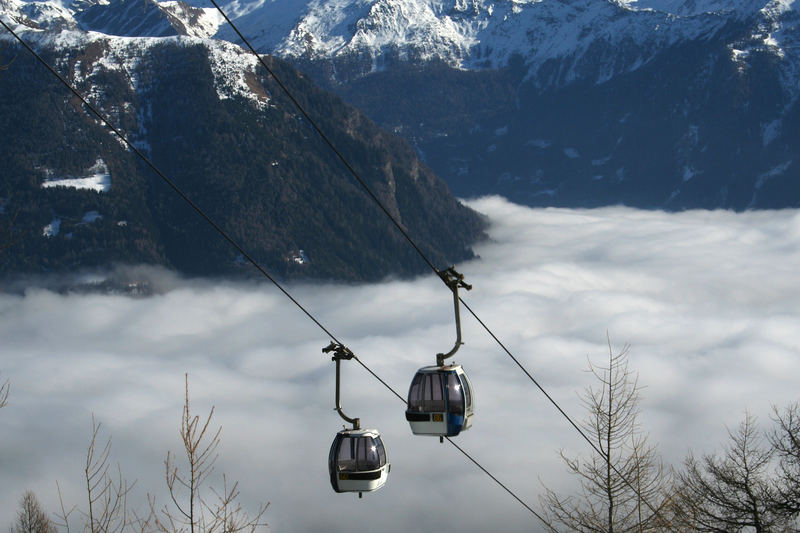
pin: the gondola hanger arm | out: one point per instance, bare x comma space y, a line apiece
454, 280
341, 352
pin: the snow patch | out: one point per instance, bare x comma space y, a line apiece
539, 143
738, 55
52, 229
602, 161
96, 178
765, 177
770, 131
197, 21
297, 257
91, 216
234, 73
773, 172
233, 68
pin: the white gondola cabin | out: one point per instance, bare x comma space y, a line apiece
357, 461
440, 401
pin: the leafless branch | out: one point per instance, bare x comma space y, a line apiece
5, 390
731, 491
107, 492
191, 511
63, 515
624, 487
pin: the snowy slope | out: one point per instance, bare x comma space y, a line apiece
147, 18
231, 65
192, 21
38, 15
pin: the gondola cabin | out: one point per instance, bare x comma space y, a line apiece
357, 461
440, 401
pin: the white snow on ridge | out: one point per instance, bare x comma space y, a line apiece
97, 178
773, 33
586, 35
232, 66
331, 28
484, 33
45, 15
197, 21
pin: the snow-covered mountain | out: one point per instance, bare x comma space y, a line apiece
126, 18
147, 18
596, 38
655, 103
589, 40
592, 40
217, 126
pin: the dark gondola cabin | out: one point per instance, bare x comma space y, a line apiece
357, 461
440, 401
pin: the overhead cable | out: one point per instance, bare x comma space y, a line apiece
411, 241
232, 242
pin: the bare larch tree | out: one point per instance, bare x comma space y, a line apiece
191, 508
732, 492
31, 517
624, 487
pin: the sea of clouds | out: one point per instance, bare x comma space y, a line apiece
707, 301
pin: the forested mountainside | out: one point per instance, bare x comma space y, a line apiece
73, 196
669, 104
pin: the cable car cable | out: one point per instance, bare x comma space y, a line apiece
233, 243
168, 181
464, 452
325, 138
411, 241
355, 174
530, 376
405, 234
468, 456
